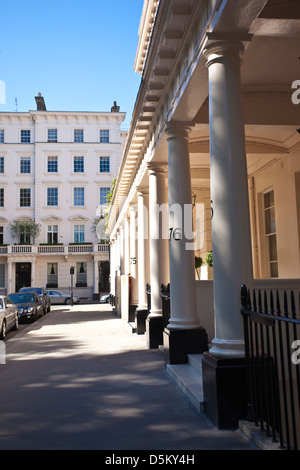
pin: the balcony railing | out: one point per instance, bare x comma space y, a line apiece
55, 249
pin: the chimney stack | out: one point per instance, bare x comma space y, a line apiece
115, 108
40, 103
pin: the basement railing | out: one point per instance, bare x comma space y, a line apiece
272, 349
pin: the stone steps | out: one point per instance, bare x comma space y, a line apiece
188, 379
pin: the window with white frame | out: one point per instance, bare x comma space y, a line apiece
270, 233
52, 135
104, 165
81, 274
52, 164
79, 233
78, 196
1, 197
25, 165
25, 136
52, 275
52, 197
25, 197
1, 136
1, 164
52, 234
104, 136
78, 135
103, 195
78, 165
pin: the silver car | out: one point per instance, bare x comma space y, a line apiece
9, 319
57, 297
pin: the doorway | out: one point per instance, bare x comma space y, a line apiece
23, 275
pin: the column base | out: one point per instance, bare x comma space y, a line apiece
179, 343
132, 309
154, 331
225, 390
140, 320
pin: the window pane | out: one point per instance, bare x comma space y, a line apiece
1, 197
78, 135
78, 164
52, 196
25, 136
103, 195
78, 233
52, 135
104, 164
273, 248
52, 165
1, 136
1, 164
78, 196
25, 165
104, 136
25, 199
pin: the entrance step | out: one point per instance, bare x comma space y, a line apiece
188, 379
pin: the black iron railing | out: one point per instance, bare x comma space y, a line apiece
272, 348
165, 300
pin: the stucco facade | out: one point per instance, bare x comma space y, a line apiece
56, 169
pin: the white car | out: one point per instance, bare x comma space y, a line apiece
9, 319
57, 297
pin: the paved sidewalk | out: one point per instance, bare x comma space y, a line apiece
79, 379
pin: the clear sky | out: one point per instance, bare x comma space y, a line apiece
78, 54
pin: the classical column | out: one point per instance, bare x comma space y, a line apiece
143, 260
232, 259
126, 247
159, 264
183, 334
96, 280
9, 283
133, 257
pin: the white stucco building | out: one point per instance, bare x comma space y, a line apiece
56, 169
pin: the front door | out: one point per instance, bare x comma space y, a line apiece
23, 275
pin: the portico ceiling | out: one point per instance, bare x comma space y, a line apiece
270, 65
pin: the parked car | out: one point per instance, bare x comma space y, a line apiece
30, 305
9, 319
42, 293
57, 297
104, 299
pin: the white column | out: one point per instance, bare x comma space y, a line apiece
182, 258
159, 265
232, 259
126, 247
96, 277
112, 266
143, 242
9, 282
33, 272
121, 247
133, 257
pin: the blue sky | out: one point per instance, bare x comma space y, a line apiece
78, 54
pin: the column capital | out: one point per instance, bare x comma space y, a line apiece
154, 168
142, 191
178, 129
221, 46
